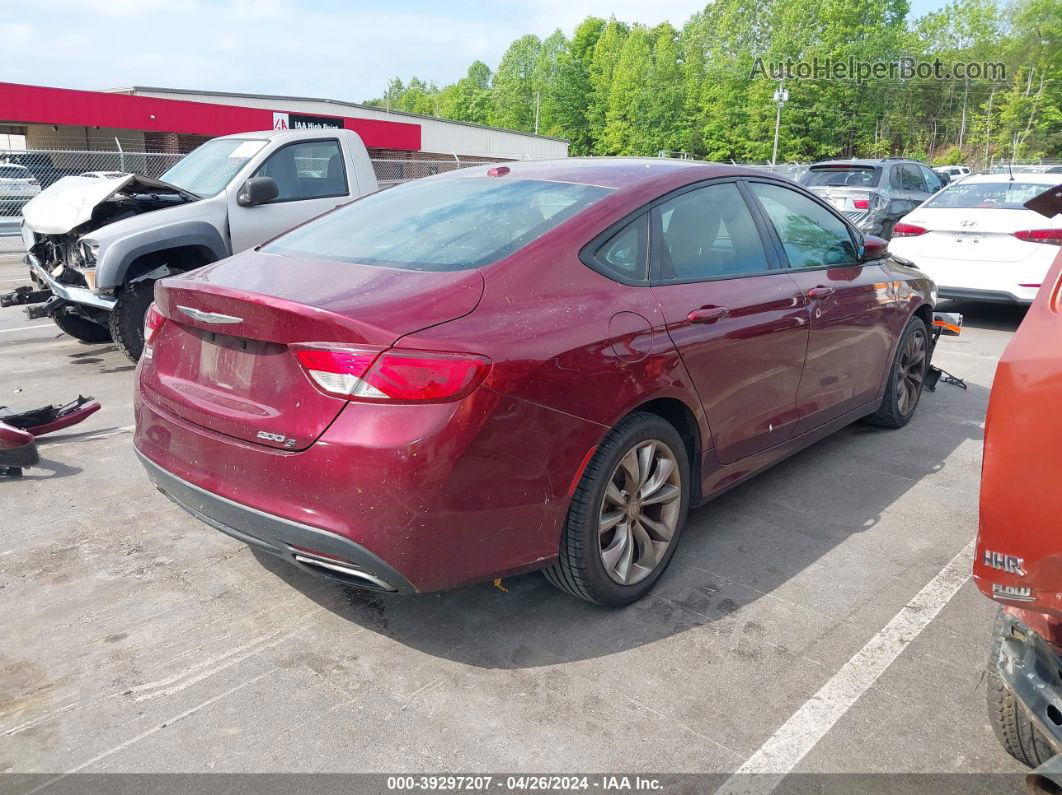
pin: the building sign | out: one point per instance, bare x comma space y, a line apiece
299, 121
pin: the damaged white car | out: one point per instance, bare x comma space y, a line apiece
96, 245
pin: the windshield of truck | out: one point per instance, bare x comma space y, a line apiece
986, 195
440, 225
208, 169
842, 177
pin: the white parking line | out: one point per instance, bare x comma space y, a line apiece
27, 328
797, 736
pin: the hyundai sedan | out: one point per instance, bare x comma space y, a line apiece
978, 241
519, 367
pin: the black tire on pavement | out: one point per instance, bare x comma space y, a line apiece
127, 317
581, 569
1016, 732
907, 374
81, 328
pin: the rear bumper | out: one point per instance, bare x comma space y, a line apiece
281, 537
423, 497
1033, 671
995, 296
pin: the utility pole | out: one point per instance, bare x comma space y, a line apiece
538, 103
781, 96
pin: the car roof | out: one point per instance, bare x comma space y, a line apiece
268, 135
608, 172
854, 161
1028, 177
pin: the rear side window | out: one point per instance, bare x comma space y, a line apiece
842, 177
625, 252
310, 170
708, 233
440, 224
811, 235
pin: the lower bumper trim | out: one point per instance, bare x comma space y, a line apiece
970, 294
347, 561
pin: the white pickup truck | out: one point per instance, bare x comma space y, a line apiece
95, 246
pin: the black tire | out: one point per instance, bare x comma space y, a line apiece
893, 413
579, 569
127, 317
81, 328
1017, 734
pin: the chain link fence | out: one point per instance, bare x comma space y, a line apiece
25, 173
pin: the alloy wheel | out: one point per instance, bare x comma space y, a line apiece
639, 512
911, 372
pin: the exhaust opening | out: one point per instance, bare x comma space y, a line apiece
344, 572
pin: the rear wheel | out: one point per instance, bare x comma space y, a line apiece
906, 376
627, 514
81, 328
1017, 734
127, 317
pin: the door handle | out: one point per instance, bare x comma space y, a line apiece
820, 292
707, 314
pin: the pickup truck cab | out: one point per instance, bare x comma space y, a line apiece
96, 246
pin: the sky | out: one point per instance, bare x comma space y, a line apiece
320, 48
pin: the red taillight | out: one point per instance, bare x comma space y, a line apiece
861, 204
153, 321
908, 230
366, 373
1050, 236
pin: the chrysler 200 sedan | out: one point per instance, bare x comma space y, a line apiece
531, 366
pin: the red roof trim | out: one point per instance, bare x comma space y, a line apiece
22, 104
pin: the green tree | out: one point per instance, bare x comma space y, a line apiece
602, 65
513, 93
571, 94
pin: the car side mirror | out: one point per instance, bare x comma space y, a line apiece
257, 190
873, 248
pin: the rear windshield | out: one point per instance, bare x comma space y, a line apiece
986, 195
440, 225
842, 177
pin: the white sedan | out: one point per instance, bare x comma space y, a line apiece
978, 242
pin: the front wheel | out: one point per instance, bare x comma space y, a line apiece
906, 376
127, 317
627, 514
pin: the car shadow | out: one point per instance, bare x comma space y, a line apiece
737, 549
988, 316
45, 469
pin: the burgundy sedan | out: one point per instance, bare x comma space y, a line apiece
533, 366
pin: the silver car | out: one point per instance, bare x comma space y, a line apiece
873, 194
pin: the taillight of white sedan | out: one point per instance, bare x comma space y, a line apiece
978, 242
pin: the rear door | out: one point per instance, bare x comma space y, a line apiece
312, 178
849, 344
738, 321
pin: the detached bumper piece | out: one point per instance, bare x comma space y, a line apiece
48, 419
309, 548
1033, 672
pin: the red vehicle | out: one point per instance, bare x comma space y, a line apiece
1019, 551
532, 366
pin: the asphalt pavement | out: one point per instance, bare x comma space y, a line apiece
824, 609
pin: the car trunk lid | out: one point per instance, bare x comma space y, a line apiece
224, 359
